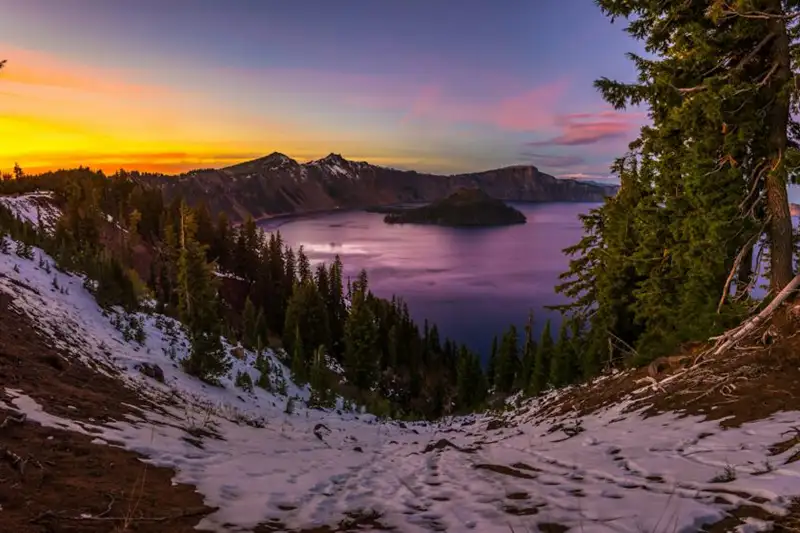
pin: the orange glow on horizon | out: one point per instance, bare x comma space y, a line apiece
57, 114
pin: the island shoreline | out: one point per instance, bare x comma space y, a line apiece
289, 217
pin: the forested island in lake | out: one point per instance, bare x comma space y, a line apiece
465, 207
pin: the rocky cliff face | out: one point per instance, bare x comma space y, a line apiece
277, 184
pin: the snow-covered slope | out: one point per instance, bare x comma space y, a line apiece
246, 454
33, 206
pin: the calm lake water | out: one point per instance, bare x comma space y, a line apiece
472, 283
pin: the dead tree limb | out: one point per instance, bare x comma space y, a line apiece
737, 334
749, 246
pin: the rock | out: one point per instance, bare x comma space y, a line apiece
321, 431
152, 371
358, 449
495, 424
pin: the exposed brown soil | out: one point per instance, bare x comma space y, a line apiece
50, 478
62, 474
58, 381
748, 383
355, 521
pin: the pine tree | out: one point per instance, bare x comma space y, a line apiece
220, 249
393, 349
303, 266
560, 366
250, 324
299, 361
306, 310
492, 366
197, 304
529, 350
465, 382
321, 393
710, 174
337, 312
361, 338
541, 367
507, 362
261, 333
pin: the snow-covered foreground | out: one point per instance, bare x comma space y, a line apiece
245, 454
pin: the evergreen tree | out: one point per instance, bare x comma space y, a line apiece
507, 362
337, 312
306, 311
561, 364
320, 388
492, 366
541, 367
299, 361
197, 304
361, 336
220, 250
529, 350
303, 266
250, 324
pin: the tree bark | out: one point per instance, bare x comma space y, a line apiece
779, 75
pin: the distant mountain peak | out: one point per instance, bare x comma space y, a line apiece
334, 157
277, 157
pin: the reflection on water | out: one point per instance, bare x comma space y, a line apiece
472, 283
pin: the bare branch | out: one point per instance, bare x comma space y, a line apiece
730, 11
750, 243
769, 74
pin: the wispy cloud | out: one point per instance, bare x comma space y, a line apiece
578, 129
42, 70
520, 111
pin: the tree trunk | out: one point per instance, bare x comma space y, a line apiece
780, 228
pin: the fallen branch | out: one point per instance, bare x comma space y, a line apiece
13, 419
13, 459
737, 334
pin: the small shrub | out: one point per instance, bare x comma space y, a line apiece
24, 250
281, 386
728, 474
243, 381
264, 382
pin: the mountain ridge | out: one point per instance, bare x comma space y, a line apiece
277, 185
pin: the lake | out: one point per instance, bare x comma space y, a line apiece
471, 282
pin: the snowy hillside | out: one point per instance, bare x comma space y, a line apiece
33, 206
263, 461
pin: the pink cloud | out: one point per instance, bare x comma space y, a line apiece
578, 129
486, 98
525, 111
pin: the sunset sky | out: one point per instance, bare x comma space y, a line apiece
440, 86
